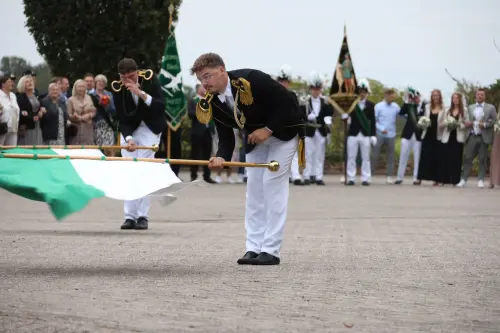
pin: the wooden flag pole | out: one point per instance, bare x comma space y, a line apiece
169, 141
272, 166
153, 147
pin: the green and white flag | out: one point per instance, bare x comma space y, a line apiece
171, 83
68, 185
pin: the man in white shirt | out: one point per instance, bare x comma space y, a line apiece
483, 116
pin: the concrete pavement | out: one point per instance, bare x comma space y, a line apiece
385, 258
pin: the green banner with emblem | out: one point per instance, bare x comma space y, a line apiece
171, 84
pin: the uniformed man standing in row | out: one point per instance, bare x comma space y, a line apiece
319, 120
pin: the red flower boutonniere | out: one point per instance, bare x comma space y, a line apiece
104, 101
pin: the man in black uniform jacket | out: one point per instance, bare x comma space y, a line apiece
140, 109
274, 123
361, 133
411, 136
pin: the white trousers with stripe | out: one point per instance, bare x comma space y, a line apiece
407, 146
362, 143
143, 137
315, 156
267, 196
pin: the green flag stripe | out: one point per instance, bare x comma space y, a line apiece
52, 181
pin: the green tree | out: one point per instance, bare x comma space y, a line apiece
17, 65
82, 36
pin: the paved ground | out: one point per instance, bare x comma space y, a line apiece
382, 259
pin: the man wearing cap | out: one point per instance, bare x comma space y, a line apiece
140, 109
411, 140
361, 134
319, 120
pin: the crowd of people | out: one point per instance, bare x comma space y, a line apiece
444, 138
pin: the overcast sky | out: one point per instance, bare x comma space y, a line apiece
397, 42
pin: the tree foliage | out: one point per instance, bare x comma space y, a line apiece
80, 36
17, 66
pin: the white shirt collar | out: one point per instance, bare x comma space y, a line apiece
227, 92
480, 104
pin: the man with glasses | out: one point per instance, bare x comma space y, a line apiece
252, 100
140, 109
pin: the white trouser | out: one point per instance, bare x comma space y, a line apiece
294, 169
8, 139
353, 144
267, 196
142, 137
315, 156
406, 146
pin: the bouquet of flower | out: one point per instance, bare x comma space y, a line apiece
451, 123
496, 126
104, 100
424, 122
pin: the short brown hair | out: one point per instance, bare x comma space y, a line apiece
389, 91
126, 65
207, 60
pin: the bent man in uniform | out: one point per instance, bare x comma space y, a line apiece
252, 100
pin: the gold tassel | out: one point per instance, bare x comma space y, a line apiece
204, 109
302, 154
245, 90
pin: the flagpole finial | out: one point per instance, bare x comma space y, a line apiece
345, 29
171, 8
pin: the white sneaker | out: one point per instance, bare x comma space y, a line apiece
342, 179
218, 179
240, 179
389, 180
462, 183
231, 180
480, 184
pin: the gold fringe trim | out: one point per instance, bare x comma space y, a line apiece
301, 151
204, 109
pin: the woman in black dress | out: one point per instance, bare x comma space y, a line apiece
453, 142
429, 168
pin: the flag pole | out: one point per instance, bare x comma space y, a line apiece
272, 166
153, 147
169, 131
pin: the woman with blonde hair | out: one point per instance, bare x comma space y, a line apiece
429, 168
30, 132
81, 111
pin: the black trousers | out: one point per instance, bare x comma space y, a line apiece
201, 149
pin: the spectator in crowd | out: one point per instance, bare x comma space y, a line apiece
33, 77
429, 167
30, 132
482, 117
495, 158
386, 113
453, 138
9, 112
90, 83
81, 111
104, 127
65, 91
55, 120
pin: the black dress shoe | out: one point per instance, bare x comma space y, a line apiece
365, 184
210, 180
128, 224
398, 182
312, 179
307, 182
350, 183
247, 258
265, 259
320, 182
142, 224
298, 182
